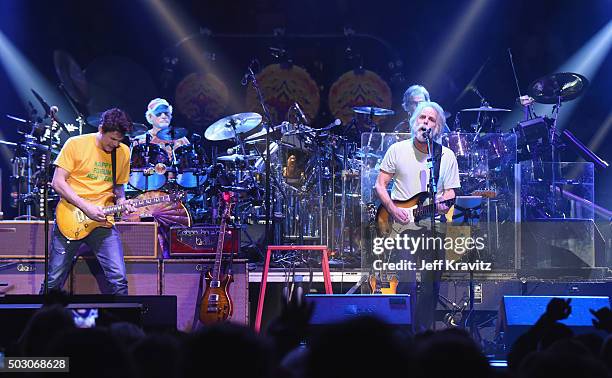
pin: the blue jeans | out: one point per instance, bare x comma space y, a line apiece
106, 246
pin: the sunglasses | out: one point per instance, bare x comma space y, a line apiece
159, 113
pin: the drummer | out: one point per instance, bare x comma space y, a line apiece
159, 115
413, 95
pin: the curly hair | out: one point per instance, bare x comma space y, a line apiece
115, 120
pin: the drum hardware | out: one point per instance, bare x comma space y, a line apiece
172, 133
228, 127
373, 111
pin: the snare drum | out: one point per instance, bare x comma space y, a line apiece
191, 167
148, 167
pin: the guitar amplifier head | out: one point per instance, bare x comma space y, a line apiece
202, 240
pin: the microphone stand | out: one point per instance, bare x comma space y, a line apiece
432, 187
54, 125
268, 123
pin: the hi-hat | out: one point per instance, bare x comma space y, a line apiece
371, 110
564, 85
229, 126
485, 109
172, 133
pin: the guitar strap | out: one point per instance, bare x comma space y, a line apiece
114, 170
114, 166
438, 160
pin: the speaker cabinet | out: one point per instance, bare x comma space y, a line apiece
88, 277
329, 309
182, 278
22, 276
26, 239
22, 239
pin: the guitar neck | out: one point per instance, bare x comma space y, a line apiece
216, 275
108, 210
425, 210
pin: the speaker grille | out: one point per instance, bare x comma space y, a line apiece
182, 278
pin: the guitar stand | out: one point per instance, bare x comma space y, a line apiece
264, 276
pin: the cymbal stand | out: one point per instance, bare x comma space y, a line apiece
148, 171
27, 198
80, 118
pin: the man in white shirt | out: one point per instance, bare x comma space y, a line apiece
406, 163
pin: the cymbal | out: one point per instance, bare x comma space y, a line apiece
172, 133
567, 85
71, 76
94, 119
485, 109
224, 128
137, 130
373, 111
29, 144
262, 132
17, 119
236, 157
361, 155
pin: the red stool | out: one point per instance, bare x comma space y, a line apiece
264, 277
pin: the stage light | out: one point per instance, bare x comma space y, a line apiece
25, 77
457, 35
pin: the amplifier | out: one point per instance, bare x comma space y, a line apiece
183, 278
202, 240
26, 239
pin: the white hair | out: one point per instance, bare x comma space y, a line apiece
440, 119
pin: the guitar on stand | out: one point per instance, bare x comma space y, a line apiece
381, 282
216, 304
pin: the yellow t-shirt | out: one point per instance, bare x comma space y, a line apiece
90, 167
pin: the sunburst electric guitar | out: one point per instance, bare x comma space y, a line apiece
386, 225
75, 225
216, 304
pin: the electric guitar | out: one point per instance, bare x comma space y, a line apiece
75, 225
380, 282
216, 303
385, 223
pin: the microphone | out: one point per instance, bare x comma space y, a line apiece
297, 107
53, 110
426, 133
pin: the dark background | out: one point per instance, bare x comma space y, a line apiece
396, 39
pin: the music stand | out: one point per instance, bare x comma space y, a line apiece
467, 212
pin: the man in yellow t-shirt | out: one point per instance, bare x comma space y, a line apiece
84, 171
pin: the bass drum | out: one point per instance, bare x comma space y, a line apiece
148, 167
191, 171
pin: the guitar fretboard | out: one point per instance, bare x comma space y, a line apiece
139, 203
